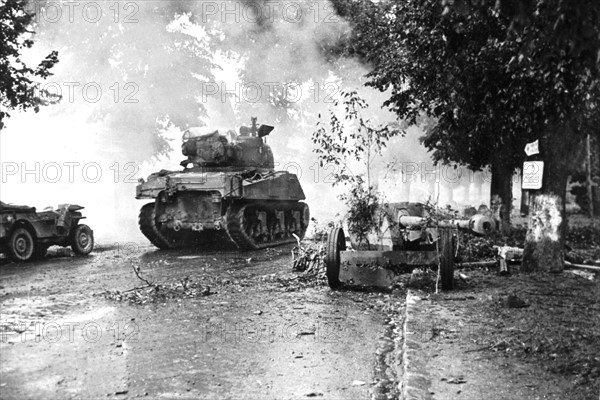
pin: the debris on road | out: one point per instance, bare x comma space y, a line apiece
309, 259
157, 292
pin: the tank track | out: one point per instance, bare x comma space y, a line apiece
161, 237
147, 222
240, 231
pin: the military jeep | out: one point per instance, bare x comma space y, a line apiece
26, 234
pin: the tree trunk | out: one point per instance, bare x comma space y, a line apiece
501, 195
547, 223
588, 176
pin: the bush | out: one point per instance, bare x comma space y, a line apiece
479, 248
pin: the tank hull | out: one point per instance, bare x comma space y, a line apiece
248, 209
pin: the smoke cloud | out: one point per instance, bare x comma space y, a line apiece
135, 74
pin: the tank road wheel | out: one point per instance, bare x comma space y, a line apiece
260, 225
446, 254
21, 245
147, 222
336, 242
82, 240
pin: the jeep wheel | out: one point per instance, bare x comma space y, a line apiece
82, 240
21, 245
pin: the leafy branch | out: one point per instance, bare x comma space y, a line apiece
354, 138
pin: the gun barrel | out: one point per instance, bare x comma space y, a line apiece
479, 224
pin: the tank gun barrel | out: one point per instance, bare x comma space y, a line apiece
478, 224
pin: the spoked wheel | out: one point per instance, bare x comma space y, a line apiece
82, 240
336, 242
21, 245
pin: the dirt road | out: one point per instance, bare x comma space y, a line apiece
254, 332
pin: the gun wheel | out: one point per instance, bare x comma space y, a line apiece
336, 242
446, 251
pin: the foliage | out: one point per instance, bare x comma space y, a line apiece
495, 78
363, 210
476, 248
19, 89
582, 237
354, 139
367, 32
491, 82
472, 247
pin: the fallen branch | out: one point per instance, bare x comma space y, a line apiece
135, 289
476, 264
136, 269
582, 266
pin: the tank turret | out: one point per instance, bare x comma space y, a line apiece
208, 148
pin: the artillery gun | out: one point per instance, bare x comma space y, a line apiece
228, 191
407, 236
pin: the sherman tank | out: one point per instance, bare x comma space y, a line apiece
228, 191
